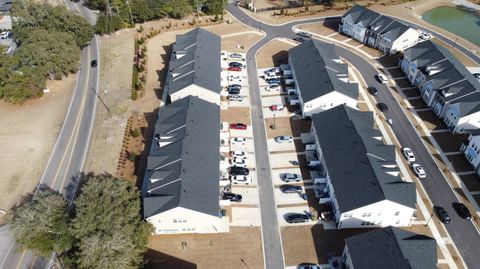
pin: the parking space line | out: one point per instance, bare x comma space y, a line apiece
413, 97
439, 131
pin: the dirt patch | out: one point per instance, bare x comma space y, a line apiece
28, 133
236, 114
317, 28
371, 51
240, 42
286, 126
273, 54
455, 256
240, 248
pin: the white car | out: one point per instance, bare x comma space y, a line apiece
241, 180
240, 161
273, 88
270, 76
381, 78
224, 182
408, 153
4, 35
275, 70
426, 36
236, 56
418, 170
231, 77
238, 154
288, 177
283, 139
238, 141
235, 97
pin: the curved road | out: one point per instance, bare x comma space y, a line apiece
69, 153
464, 233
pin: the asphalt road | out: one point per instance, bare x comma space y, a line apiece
463, 232
68, 156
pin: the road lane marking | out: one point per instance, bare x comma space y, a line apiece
21, 259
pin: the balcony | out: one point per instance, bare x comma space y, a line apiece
321, 192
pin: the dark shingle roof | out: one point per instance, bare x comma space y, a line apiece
6, 5
355, 12
395, 30
379, 24
392, 248
200, 64
184, 162
317, 72
367, 17
355, 159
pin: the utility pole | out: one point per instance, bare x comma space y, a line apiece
431, 216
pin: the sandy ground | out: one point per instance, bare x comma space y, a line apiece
240, 42
272, 53
28, 133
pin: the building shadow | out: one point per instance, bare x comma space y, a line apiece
147, 136
280, 57
332, 23
155, 260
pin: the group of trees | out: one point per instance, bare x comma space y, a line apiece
105, 229
117, 14
49, 39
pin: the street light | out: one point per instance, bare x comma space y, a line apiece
431, 216
274, 125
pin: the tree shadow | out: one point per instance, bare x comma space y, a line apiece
155, 259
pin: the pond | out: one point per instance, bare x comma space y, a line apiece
460, 22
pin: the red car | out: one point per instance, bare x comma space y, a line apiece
234, 68
276, 107
238, 126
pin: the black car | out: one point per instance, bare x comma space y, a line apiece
239, 171
235, 64
233, 91
382, 106
232, 196
299, 39
462, 210
442, 214
234, 86
304, 34
297, 218
372, 90
291, 188
93, 63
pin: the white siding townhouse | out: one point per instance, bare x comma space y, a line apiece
195, 67
181, 185
358, 175
321, 81
445, 85
391, 248
471, 149
378, 31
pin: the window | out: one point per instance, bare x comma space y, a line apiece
397, 222
364, 214
369, 214
363, 223
174, 220
397, 213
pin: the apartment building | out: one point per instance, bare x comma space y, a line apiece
321, 80
445, 85
181, 185
471, 149
358, 175
390, 247
194, 68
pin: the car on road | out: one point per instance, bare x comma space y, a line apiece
232, 197
304, 34
290, 188
273, 88
239, 171
93, 63
239, 162
5, 35
276, 107
234, 68
236, 56
238, 154
273, 81
408, 154
297, 218
299, 39
289, 177
372, 90
235, 97
235, 64
462, 210
381, 78
283, 139
418, 170
238, 140
308, 266
442, 214
382, 107
238, 126
241, 180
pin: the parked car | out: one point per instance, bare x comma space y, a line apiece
241, 180
297, 218
234, 91
234, 77
408, 154
289, 177
299, 39
234, 68
232, 197
234, 87
273, 81
236, 56
238, 126
235, 64
308, 266
442, 214
290, 188
426, 36
238, 140
238, 154
294, 109
381, 78
276, 70
239, 162
239, 171
382, 107
273, 88
477, 76
276, 107
372, 90
270, 76
283, 139
5, 35
418, 170
235, 97
93, 63
304, 34
462, 210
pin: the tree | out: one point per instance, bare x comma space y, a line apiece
178, 9
108, 224
141, 11
41, 224
215, 6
